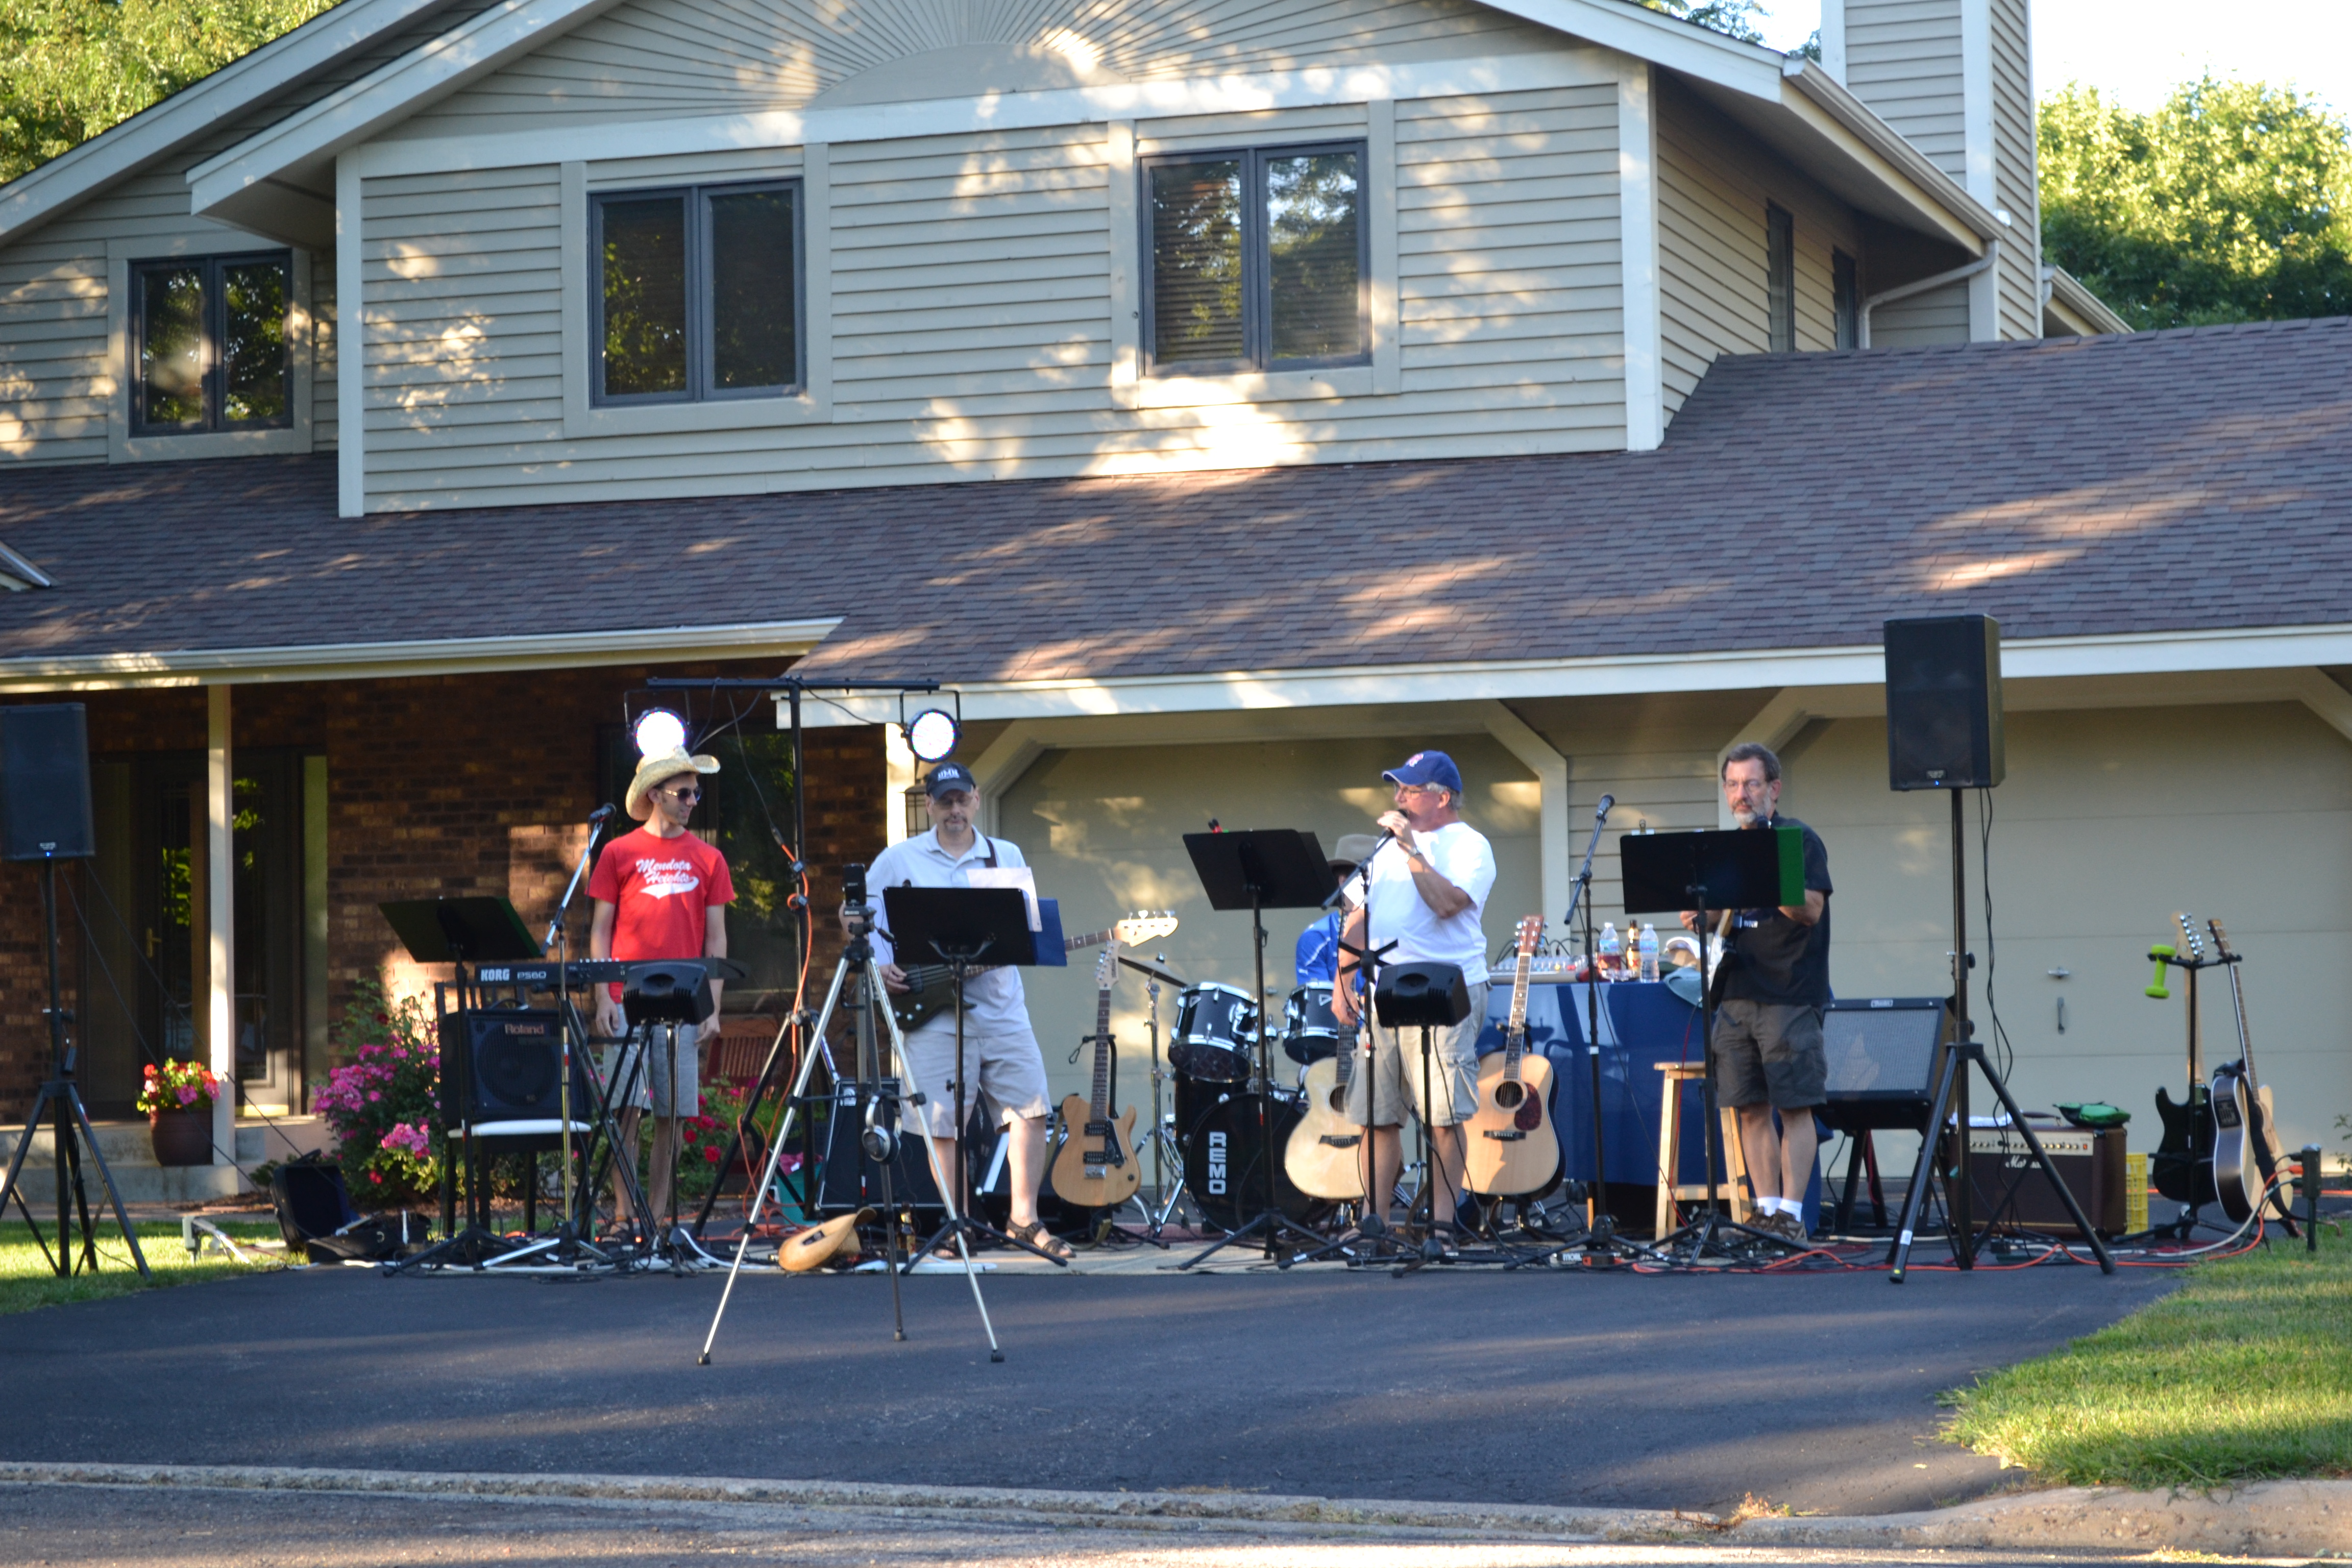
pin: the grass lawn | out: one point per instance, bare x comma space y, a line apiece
2243, 1373
26, 1282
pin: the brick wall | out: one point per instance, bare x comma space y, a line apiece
437, 786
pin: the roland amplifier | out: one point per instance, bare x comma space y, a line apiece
2008, 1186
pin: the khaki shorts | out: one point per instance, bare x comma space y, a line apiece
1770, 1053
650, 1087
1008, 1068
1394, 1082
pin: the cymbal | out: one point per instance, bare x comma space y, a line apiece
1159, 972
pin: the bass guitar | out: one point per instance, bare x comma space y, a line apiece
1323, 1155
1512, 1152
1097, 1167
2182, 1169
2246, 1152
930, 987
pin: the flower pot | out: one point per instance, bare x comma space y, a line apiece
182, 1137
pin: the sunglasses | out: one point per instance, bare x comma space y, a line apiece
680, 793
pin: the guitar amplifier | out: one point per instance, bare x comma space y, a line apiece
847, 1181
2008, 1186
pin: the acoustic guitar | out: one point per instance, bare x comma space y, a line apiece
930, 987
2182, 1169
1512, 1153
2246, 1152
1323, 1156
1096, 1167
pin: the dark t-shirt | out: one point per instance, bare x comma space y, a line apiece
1778, 959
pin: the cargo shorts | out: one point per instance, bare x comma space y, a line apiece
1770, 1053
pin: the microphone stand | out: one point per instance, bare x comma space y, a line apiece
559, 936
1600, 1224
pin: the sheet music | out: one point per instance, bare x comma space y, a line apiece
1022, 877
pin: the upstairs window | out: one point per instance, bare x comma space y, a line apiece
1779, 279
698, 293
1845, 288
1257, 259
212, 344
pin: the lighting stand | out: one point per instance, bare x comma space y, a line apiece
70, 1127
1964, 1051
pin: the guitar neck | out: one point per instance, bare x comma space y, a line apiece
1102, 1053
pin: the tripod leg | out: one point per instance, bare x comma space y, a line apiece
2065, 1193
1898, 1257
940, 1177
8, 1187
768, 1176
744, 1124
121, 1219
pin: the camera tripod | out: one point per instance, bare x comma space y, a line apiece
861, 973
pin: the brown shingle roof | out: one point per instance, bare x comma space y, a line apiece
2164, 482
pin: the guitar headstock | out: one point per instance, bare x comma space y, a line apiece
1106, 966
1531, 935
2221, 938
1143, 927
2193, 941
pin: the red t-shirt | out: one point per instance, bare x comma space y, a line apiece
662, 889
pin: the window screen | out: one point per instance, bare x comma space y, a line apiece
698, 293
1781, 280
212, 344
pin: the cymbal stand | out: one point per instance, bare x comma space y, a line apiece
1163, 1143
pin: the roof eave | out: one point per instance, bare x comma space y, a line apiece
1814, 96
2071, 293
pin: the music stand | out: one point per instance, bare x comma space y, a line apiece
1264, 868
1718, 870
969, 928
460, 932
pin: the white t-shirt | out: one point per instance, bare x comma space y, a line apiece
995, 1004
1459, 853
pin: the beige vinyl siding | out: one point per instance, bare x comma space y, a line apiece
1903, 59
1938, 316
2014, 171
972, 308
1713, 185
663, 59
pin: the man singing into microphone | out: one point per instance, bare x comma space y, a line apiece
1425, 890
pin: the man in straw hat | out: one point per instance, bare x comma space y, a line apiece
659, 893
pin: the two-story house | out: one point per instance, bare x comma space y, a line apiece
1222, 398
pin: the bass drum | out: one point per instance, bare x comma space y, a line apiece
1222, 1163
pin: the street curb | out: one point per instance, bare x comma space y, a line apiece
2268, 1519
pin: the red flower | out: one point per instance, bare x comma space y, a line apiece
712, 1155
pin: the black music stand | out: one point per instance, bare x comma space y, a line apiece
460, 932
969, 928
1713, 870
1264, 869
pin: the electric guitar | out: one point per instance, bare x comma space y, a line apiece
1512, 1153
2242, 1120
2183, 1166
1096, 1167
1322, 1158
930, 987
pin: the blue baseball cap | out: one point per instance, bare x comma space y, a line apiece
949, 776
1427, 768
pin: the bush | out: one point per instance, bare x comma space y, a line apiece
384, 1102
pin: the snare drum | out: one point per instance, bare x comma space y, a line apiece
1216, 1030
1309, 1030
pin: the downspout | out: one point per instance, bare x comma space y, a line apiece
1871, 302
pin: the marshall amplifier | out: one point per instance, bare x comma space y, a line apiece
2008, 1189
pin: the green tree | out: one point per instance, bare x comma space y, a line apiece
70, 69
2231, 203
1736, 17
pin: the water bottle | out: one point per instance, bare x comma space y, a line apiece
1649, 949
1613, 952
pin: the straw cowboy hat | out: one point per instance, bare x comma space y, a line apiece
658, 769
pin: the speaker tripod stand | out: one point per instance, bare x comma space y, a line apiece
70, 1132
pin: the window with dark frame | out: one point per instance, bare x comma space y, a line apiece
1781, 279
1257, 259
211, 340
697, 294
1845, 288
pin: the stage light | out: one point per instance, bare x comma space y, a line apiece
931, 734
659, 733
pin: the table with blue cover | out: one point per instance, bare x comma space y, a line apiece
1642, 1023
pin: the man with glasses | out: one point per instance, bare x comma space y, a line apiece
659, 893
1425, 891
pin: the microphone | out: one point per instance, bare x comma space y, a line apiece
597, 816
1601, 812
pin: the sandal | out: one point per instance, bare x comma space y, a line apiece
1034, 1234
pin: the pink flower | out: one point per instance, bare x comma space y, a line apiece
187, 1095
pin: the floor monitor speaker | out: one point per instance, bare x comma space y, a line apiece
45, 782
1943, 703
1881, 1062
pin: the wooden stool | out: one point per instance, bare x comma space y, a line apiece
1670, 1129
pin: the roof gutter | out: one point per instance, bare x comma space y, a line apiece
1935, 280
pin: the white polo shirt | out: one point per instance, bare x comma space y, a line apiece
993, 1002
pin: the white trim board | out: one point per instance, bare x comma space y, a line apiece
331, 661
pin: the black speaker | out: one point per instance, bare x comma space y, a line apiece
1881, 1062
847, 1181
45, 782
1943, 703
513, 1069
1414, 995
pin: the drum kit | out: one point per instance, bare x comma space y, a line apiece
1212, 1132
